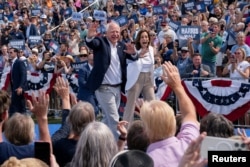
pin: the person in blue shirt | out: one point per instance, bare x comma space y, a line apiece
142, 8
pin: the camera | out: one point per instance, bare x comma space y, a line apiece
221, 144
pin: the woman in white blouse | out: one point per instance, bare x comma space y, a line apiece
140, 75
237, 66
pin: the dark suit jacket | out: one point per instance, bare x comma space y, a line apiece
84, 93
102, 58
19, 75
190, 68
33, 30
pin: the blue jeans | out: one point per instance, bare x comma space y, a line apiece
211, 66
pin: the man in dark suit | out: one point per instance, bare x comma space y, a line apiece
84, 94
197, 69
108, 75
18, 83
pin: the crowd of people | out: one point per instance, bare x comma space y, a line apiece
111, 57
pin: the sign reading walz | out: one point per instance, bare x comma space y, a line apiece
34, 39
190, 32
18, 44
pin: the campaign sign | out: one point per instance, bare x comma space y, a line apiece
173, 25
190, 32
34, 39
135, 18
201, 7
190, 5
100, 15
122, 20
18, 44
35, 12
54, 46
207, 2
158, 10
77, 16
77, 66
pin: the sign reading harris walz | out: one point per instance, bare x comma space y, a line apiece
35, 39
18, 44
190, 32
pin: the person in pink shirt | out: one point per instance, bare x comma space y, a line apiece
159, 120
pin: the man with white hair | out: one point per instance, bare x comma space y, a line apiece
164, 29
240, 38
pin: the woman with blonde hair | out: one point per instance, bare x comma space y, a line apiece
20, 129
160, 123
237, 66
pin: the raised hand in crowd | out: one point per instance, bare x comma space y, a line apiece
39, 107
171, 77
121, 127
130, 48
62, 89
92, 30
191, 158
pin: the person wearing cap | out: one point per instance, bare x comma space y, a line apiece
181, 60
44, 25
165, 29
62, 64
142, 7
18, 83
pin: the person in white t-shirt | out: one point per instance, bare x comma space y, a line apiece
237, 66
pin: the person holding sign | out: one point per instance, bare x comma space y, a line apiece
108, 76
140, 75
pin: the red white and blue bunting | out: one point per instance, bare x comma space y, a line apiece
228, 97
